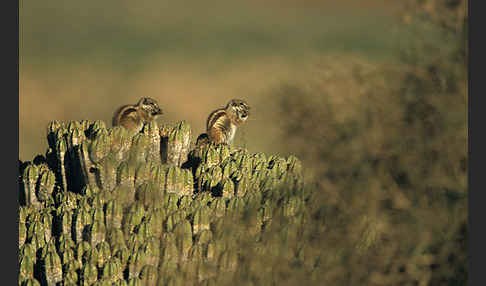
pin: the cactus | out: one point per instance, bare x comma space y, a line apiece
183, 235
104, 252
26, 267
29, 250
174, 181
70, 277
80, 251
82, 220
227, 261
123, 255
67, 256
227, 188
170, 253
135, 263
89, 274
187, 183
151, 249
46, 185
66, 201
196, 252
36, 229
135, 282
65, 242
31, 282
109, 208
133, 218
52, 269
30, 176
92, 256
218, 206
22, 233
112, 270
201, 219
120, 143
116, 239
153, 223
65, 221
177, 142
148, 275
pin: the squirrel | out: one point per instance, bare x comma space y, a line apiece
134, 117
222, 123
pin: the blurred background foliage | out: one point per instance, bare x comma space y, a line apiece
371, 96
82, 60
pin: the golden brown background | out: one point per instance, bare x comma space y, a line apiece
82, 60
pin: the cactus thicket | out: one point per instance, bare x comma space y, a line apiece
103, 207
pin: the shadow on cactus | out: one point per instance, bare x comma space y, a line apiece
105, 207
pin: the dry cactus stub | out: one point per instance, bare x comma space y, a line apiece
105, 207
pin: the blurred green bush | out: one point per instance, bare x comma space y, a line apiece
388, 150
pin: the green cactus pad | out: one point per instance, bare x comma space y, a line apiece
113, 208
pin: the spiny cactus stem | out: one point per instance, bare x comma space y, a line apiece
60, 156
86, 165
